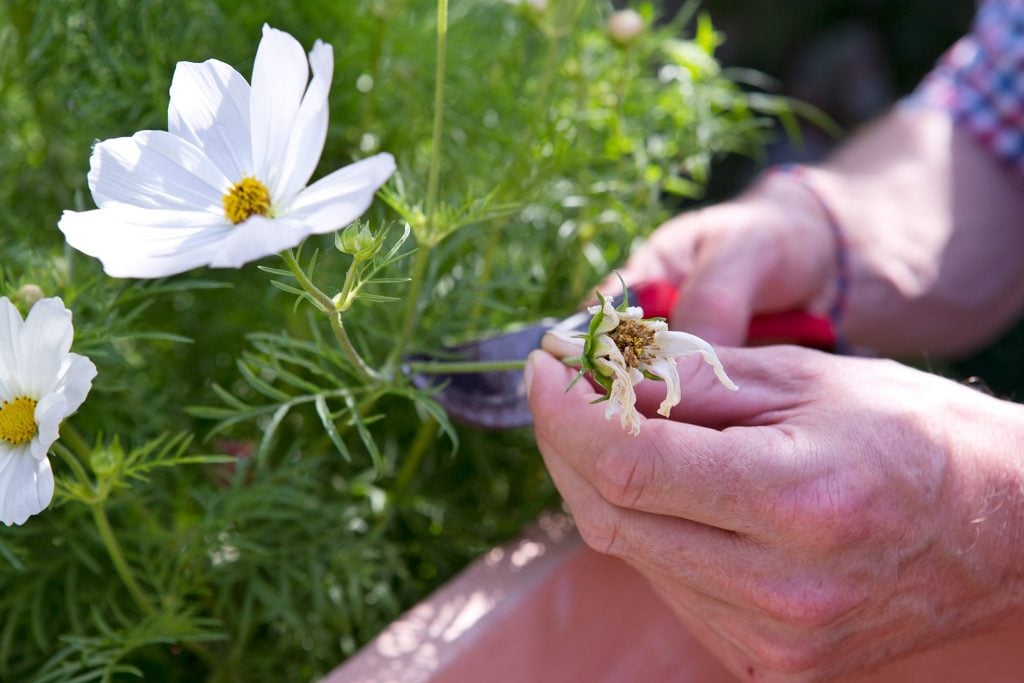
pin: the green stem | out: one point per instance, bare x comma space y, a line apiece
99, 515
68, 456
580, 270
428, 235
433, 180
327, 305
458, 367
419, 268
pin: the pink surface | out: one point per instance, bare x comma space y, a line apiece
546, 608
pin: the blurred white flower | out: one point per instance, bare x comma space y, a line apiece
41, 383
622, 348
226, 184
625, 26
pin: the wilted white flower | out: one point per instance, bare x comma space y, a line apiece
226, 183
625, 26
41, 383
621, 348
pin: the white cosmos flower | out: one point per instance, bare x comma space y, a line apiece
226, 183
41, 383
625, 348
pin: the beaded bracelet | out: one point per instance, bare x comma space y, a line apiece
799, 173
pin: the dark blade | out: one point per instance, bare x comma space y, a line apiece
496, 399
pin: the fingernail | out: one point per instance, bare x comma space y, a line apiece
561, 345
528, 371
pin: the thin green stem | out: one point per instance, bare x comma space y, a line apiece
427, 236
419, 268
68, 456
582, 100
327, 305
99, 515
424, 435
433, 180
459, 367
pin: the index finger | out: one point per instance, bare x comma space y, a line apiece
670, 468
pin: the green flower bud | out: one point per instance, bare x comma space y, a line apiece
358, 241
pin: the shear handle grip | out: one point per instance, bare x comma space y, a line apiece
658, 298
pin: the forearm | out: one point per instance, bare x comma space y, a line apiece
986, 442
934, 231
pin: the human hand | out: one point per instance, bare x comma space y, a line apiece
832, 515
770, 250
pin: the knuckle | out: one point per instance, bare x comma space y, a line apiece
803, 658
811, 603
599, 527
621, 477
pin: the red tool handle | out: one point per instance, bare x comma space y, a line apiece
657, 298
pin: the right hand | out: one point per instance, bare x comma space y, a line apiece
768, 251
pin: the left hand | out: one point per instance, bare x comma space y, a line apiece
831, 515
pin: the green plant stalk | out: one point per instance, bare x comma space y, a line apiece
327, 305
424, 435
75, 443
433, 180
582, 95
99, 515
457, 367
426, 240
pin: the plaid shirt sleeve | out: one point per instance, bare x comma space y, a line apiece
980, 81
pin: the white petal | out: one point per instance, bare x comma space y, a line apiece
210, 108
632, 313
666, 369
337, 199
145, 243
10, 350
50, 410
154, 169
45, 341
26, 485
673, 344
310, 128
255, 238
622, 400
75, 381
279, 77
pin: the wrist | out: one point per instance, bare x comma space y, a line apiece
819, 234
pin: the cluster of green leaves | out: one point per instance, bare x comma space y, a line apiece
345, 495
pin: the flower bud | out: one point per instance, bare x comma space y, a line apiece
357, 241
624, 27
28, 295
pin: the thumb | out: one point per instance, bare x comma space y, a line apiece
715, 302
546, 380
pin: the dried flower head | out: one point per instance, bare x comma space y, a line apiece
621, 348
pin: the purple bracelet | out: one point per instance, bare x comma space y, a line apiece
835, 312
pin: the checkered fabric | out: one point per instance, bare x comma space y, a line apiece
980, 81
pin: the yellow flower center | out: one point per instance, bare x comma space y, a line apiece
18, 421
634, 339
247, 197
